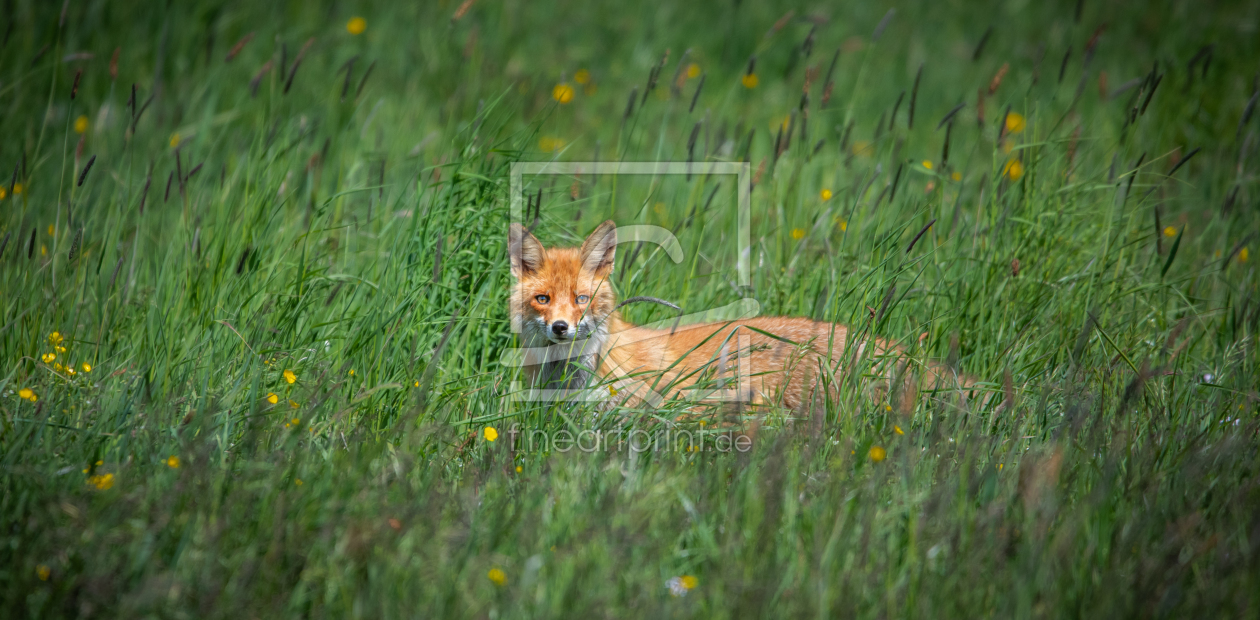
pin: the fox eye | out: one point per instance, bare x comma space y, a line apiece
583, 299
542, 299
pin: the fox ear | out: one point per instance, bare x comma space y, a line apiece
525, 251
598, 249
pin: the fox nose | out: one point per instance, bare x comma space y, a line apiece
559, 328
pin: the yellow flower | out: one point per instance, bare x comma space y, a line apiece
416, 384
4, 193
878, 454
897, 429
70, 370
749, 80
87, 367
81, 124
1169, 231
562, 93
693, 70
52, 230
289, 377
957, 176
490, 433
843, 224
798, 233
547, 144
55, 337
582, 76
58, 367
999, 466
927, 163
17, 188
518, 469
351, 372
1014, 169
497, 576
887, 407
356, 25
293, 404
297, 481
690, 582
60, 349
680, 586
175, 139
825, 195
28, 394
172, 462
863, 148
272, 398
43, 572
1015, 122
48, 357
43, 250
102, 482
1243, 255
612, 391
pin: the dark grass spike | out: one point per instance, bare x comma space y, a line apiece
787, 136
144, 195
1248, 110
949, 130
892, 195
4, 245
1002, 122
297, 62
113, 278
284, 59
893, 121
752, 65
807, 46
920, 235
1172, 252
363, 82
675, 86
139, 114
1080, 6
1237, 247
13, 181
827, 83
38, 55
86, 169
883, 306
74, 247
194, 171
696, 97
30, 245
1063, 66
819, 145
131, 101
257, 79
805, 129
74, 90
240, 45
778, 145
179, 166
748, 145
1133, 175
1159, 233
169, 178
1229, 200
1151, 93
634, 94
1184, 161
883, 23
240, 263
914, 97
984, 39
349, 69
950, 115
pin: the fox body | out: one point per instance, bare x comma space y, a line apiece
566, 313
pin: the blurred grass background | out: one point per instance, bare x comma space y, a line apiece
254, 307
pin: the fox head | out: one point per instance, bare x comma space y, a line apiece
562, 294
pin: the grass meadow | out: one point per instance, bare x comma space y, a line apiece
253, 307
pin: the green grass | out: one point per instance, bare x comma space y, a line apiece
1111, 473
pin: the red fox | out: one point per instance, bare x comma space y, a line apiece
564, 308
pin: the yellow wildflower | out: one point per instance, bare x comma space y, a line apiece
680, 586
55, 337
518, 469
28, 394
490, 433
272, 398
1014, 169
4, 193
351, 372
1169, 231
798, 233
749, 80
844, 225
48, 357
175, 139
878, 454
612, 391
897, 429
43, 572
562, 93
87, 367
957, 176
927, 163
52, 230
102, 482
289, 377
693, 70
172, 462
356, 25
81, 124
297, 481
1243, 255
582, 76
1015, 122
825, 194
497, 576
